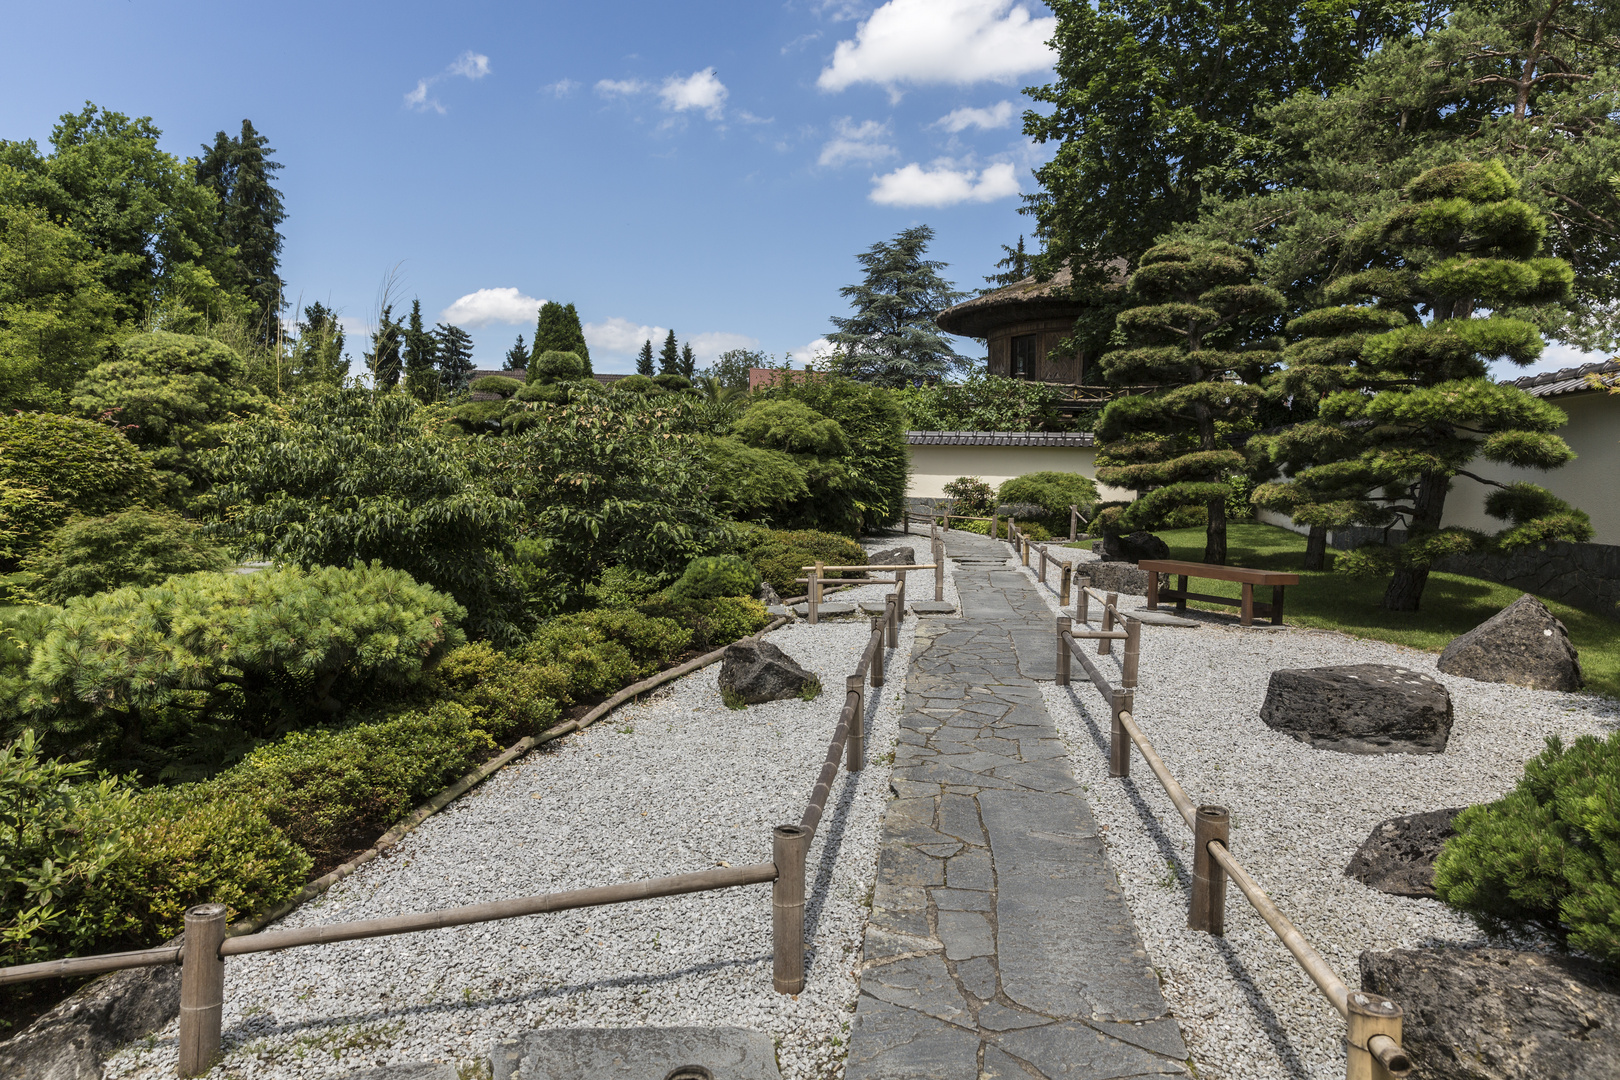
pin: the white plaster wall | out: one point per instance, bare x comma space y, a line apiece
932, 467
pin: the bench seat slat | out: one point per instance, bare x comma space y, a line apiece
1218, 573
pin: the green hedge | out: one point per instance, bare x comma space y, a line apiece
779, 554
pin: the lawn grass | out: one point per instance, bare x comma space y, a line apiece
1452, 604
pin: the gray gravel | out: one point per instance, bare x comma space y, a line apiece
1298, 813
674, 784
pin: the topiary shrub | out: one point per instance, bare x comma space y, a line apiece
1548, 855
716, 575
970, 495
554, 366
501, 385
604, 651
717, 621
792, 427
81, 466
1053, 492
133, 547
673, 383
636, 384
504, 695
780, 554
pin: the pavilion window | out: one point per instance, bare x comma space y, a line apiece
1024, 353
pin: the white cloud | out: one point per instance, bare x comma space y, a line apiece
469, 65
942, 41
621, 337
699, 90
942, 184
998, 115
560, 88
492, 306
812, 353
856, 142
708, 347
619, 87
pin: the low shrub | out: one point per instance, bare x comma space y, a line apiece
1053, 492
135, 547
780, 554
716, 575
505, 696
714, 622
620, 587
1548, 855
333, 790
503, 385
602, 651
970, 495
189, 845
1032, 529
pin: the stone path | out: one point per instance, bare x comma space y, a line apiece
999, 944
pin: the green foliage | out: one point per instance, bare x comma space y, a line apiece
730, 370
792, 427
1053, 492
496, 384
779, 554
716, 575
79, 466
754, 484
348, 475
417, 357
57, 838
1548, 855
554, 366
331, 791
504, 695
240, 169
559, 329
133, 547
190, 845
983, 402
892, 339
255, 652
716, 621
971, 496
620, 587
452, 348
602, 651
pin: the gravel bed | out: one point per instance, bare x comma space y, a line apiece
1245, 1006
673, 784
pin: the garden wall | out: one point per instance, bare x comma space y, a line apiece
938, 457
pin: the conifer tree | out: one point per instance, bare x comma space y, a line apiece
420, 346
688, 360
318, 352
559, 330
455, 358
1014, 267
1459, 260
644, 360
383, 360
892, 339
240, 171
669, 357
517, 357
1200, 335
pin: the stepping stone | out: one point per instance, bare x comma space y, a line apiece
636, 1054
415, 1070
1161, 618
872, 609
779, 609
932, 607
825, 609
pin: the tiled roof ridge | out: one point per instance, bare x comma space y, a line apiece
1000, 438
1578, 374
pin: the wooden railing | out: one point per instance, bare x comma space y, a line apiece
201, 952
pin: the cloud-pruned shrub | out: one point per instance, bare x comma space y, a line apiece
136, 547
716, 575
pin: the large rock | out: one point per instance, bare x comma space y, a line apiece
767, 595
757, 671
1499, 1014
1523, 644
895, 556
1360, 709
72, 1040
1398, 857
645, 1053
1119, 577
1134, 548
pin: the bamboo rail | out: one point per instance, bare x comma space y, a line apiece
1373, 1022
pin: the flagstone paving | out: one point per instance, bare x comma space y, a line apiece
999, 944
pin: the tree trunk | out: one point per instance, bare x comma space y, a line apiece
1406, 588
1316, 548
1215, 537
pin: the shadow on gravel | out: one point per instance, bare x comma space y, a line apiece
833, 829
1270, 1022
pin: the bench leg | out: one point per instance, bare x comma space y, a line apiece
1153, 592
1247, 616
1181, 601
1276, 605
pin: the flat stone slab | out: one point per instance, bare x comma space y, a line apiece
825, 609
932, 607
414, 1070
634, 1054
870, 607
779, 609
1161, 618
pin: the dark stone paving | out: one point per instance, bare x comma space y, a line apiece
999, 943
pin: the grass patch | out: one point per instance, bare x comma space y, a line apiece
1452, 604
810, 690
733, 700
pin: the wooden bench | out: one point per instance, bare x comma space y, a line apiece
1247, 607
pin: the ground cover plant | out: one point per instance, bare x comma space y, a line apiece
1336, 602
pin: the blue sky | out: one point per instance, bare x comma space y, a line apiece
711, 167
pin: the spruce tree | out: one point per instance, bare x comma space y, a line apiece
669, 357
383, 360
421, 381
644, 360
455, 358
892, 339
517, 357
1459, 260
1013, 267
240, 172
1199, 334
559, 330
318, 352
688, 361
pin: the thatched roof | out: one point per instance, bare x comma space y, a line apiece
1022, 301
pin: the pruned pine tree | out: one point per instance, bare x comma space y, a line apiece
1459, 259
892, 339
240, 172
559, 330
669, 357
419, 354
688, 360
383, 360
644, 360
517, 357
454, 347
1200, 333
1321, 359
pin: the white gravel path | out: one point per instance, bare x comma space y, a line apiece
1246, 1008
674, 784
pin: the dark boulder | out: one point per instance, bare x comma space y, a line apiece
1398, 858
1500, 1014
1118, 577
767, 595
757, 671
1524, 644
895, 556
1360, 709
73, 1039
1134, 547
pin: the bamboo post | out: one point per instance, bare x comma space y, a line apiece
1074, 523
877, 653
947, 519
891, 624
1119, 743
1105, 646
1207, 911
1373, 1046
1024, 543
788, 846
1064, 625
1043, 565
1133, 652
900, 601
1012, 532
202, 989
939, 570
1066, 579
855, 741
1082, 605
812, 600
